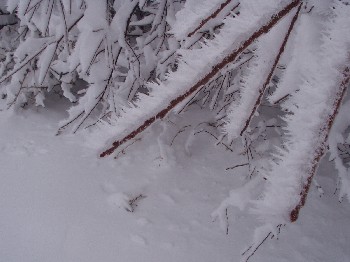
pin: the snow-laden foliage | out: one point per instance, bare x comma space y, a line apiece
273, 74
197, 66
8, 42
114, 46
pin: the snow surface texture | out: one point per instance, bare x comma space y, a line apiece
59, 203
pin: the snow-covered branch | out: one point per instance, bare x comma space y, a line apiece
199, 66
257, 79
314, 108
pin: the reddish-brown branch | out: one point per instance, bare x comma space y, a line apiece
216, 69
273, 68
322, 146
212, 16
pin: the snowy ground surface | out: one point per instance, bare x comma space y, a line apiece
60, 203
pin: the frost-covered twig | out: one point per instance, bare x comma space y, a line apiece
212, 16
161, 107
321, 148
313, 110
240, 165
247, 254
183, 129
262, 234
258, 80
122, 151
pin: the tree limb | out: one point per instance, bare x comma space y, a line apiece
216, 69
321, 148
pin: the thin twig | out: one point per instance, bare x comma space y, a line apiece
240, 165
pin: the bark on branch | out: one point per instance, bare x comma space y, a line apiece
216, 69
273, 68
321, 148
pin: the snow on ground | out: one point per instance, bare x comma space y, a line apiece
60, 203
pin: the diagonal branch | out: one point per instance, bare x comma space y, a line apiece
215, 69
212, 16
270, 75
321, 148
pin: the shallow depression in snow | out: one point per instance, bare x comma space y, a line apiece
59, 202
